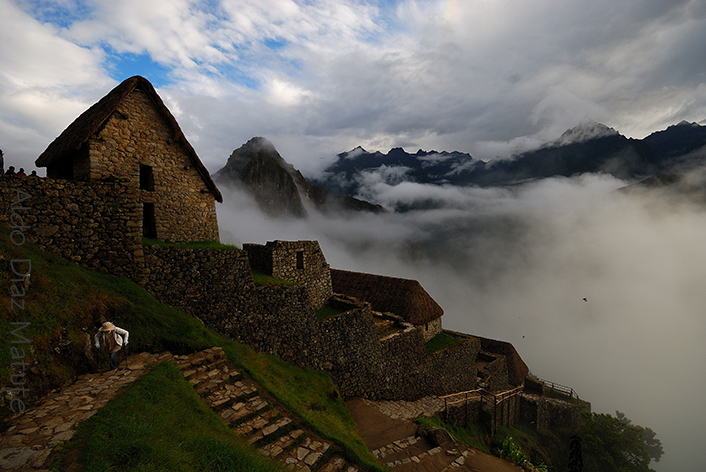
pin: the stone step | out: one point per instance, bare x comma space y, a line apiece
251, 426
395, 447
307, 455
270, 432
420, 458
336, 464
242, 411
203, 371
282, 443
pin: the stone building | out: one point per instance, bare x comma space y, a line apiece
295, 261
130, 136
403, 297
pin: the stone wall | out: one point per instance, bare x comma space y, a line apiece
517, 370
184, 207
217, 287
453, 369
464, 412
395, 367
211, 285
93, 224
295, 261
551, 414
493, 372
351, 352
431, 329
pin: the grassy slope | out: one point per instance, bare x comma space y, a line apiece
64, 300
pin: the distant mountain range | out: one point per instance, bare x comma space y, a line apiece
279, 188
588, 148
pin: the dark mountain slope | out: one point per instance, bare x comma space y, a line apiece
277, 186
683, 144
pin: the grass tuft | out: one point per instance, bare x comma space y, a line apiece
212, 245
325, 312
441, 341
263, 279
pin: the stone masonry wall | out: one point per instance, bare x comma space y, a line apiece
452, 369
351, 352
93, 224
431, 329
136, 134
295, 261
211, 285
396, 367
550, 414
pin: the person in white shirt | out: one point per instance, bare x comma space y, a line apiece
114, 339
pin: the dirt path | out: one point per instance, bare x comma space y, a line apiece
394, 441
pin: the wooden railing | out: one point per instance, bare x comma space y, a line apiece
500, 411
563, 389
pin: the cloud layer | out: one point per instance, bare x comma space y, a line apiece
321, 77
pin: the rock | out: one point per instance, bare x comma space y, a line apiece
13, 458
437, 436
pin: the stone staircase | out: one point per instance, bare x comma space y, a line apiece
401, 455
253, 415
28, 443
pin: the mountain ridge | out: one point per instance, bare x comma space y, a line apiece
589, 147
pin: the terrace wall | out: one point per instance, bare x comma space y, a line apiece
551, 414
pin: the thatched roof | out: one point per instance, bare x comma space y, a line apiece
403, 297
517, 370
91, 120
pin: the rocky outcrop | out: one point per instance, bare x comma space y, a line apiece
278, 188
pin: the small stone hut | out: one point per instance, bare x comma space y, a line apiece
403, 297
294, 261
130, 136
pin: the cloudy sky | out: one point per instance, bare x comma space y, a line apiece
321, 77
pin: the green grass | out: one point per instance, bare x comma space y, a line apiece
473, 435
160, 424
65, 299
213, 245
262, 279
441, 341
535, 447
325, 312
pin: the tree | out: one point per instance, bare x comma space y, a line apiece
652, 444
614, 444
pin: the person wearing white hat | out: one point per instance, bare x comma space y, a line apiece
114, 339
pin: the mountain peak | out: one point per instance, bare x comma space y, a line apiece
585, 131
259, 143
